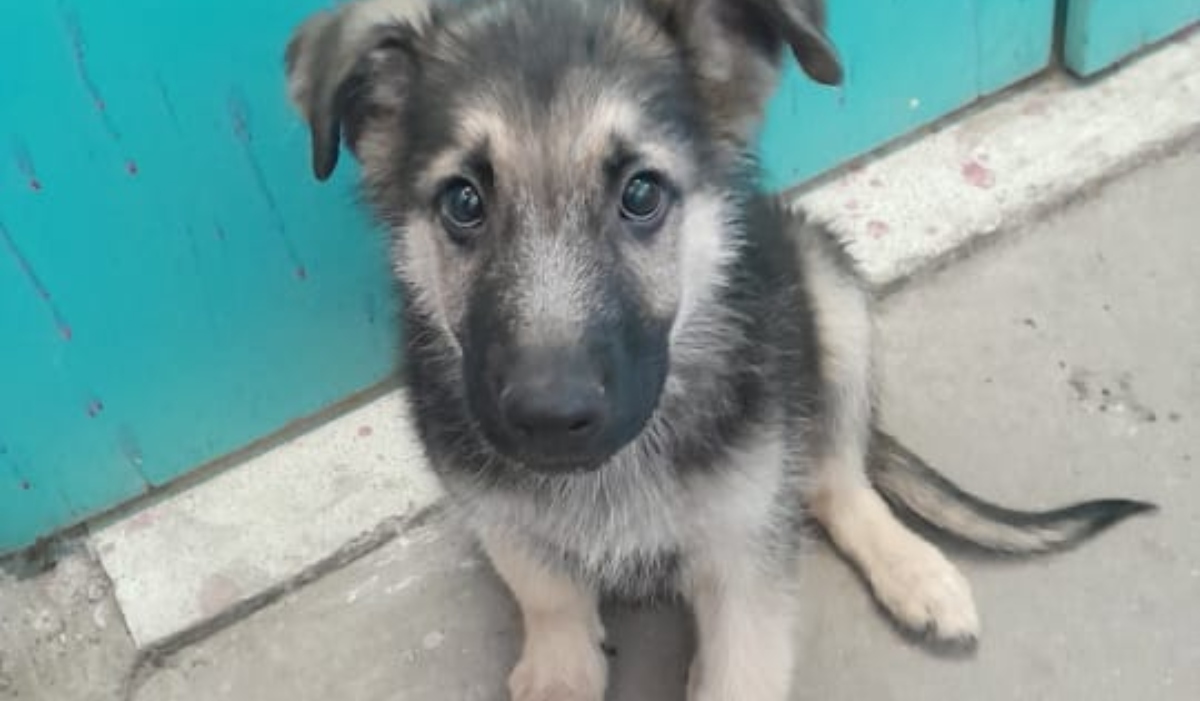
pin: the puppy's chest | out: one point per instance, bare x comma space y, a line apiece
633, 530
625, 536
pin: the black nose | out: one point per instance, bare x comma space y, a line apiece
553, 403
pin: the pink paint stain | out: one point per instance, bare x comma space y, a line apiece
1035, 108
852, 205
141, 522
365, 431
978, 175
217, 593
877, 229
94, 408
64, 330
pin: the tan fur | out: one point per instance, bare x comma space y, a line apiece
562, 659
705, 250
910, 577
745, 616
518, 151
420, 255
555, 300
353, 25
745, 636
736, 84
843, 315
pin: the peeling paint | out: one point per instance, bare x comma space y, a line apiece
94, 407
243, 132
79, 53
35, 282
24, 162
164, 97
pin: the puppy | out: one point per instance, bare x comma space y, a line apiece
634, 372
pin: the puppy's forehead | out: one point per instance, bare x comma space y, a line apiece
578, 131
559, 92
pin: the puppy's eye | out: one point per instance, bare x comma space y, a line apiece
644, 201
462, 208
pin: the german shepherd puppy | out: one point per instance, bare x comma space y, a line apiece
633, 371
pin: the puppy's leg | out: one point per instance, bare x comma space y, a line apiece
562, 659
738, 572
911, 578
745, 630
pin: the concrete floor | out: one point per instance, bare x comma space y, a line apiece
1061, 364
61, 633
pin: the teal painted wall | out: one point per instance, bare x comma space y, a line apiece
908, 63
173, 283
1098, 33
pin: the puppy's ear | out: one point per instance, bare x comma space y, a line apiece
736, 47
802, 26
350, 65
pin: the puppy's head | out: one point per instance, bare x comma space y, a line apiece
562, 179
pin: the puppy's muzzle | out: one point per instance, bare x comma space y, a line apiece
554, 407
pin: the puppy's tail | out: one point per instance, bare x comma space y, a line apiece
911, 486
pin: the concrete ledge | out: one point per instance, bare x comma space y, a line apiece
1000, 167
182, 565
186, 561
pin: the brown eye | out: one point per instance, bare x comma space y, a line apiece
644, 203
643, 197
462, 209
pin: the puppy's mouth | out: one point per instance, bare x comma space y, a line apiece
562, 466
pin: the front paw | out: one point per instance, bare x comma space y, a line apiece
554, 671
927, 594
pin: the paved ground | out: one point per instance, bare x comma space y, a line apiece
1060, 364
61, 633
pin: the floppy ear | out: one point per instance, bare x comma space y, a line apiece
736, 47
350, 65
802, 26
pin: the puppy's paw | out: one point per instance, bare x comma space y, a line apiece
925, 592
559, 668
